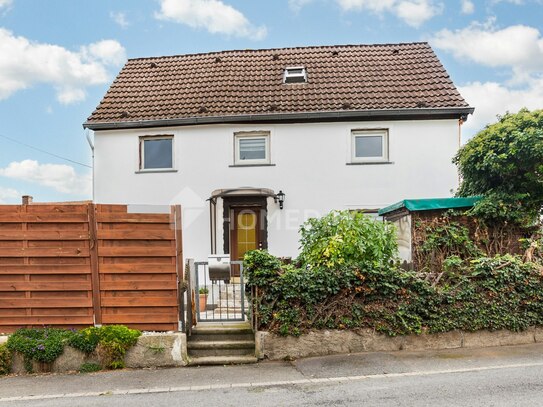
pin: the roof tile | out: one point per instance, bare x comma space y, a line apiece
232, 83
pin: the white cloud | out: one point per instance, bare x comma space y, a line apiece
296, 5
25, 63
415, 13
517, 2
61, 177
412, 12
119, 18
213, 15
4, 4
8, 194
491, 99
109, 52
519, 47
467, 7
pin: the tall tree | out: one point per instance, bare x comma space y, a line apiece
504, 163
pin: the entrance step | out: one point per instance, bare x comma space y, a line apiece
221, 344
221, 360
217, 333
222, 348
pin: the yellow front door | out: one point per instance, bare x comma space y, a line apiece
245, 234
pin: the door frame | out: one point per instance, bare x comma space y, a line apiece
249, 202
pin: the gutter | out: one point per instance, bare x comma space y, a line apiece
363, 115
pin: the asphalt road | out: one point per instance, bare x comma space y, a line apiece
508, 376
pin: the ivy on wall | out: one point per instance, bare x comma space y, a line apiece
362, 285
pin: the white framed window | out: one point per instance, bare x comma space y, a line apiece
369, 146
156, 153
251, 148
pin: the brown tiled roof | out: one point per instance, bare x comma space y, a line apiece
250, 82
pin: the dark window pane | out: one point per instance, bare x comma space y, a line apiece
157, 154
368, 146
252, 148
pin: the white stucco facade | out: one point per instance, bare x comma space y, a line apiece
309, 164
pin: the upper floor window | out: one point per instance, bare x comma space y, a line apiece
251, 148
156, 153
369, 146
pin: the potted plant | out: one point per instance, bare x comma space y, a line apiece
203, 298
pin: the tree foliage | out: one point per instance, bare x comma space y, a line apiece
504, 163
347, 237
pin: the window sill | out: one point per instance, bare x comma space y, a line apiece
155, 171
372, 163
251, 165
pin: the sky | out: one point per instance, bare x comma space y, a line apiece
58, 57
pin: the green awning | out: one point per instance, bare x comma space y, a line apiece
431, 204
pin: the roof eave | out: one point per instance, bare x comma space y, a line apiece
363, 115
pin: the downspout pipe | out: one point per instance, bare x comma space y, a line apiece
91, 145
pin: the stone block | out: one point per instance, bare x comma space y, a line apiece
483, 338
70, 360
157, 350
538, 334
445, 340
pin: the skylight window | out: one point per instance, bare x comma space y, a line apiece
297, 74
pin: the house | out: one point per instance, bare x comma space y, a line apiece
254, 142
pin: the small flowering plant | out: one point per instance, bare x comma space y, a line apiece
42, 345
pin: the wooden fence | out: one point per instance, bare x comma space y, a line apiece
75, 265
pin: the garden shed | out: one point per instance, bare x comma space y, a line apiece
405, 213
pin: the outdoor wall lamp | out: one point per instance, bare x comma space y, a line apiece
280, 197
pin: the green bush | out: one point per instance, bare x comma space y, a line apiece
501, 292
5, 360
504, 163
114, 341
46, 345
346, 238
85, 340
42, 345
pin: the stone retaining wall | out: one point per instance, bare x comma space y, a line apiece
151, 350
329, 342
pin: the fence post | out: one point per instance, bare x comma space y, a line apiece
95, 272
191, 297
181, 288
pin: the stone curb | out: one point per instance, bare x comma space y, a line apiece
227, 386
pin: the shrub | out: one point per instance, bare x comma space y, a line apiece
438, 238
5, 360
347, 238
500, 292
85, 340
504, 163
42, 345
114, 341
45, 345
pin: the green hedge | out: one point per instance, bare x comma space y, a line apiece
502, 292
5, 360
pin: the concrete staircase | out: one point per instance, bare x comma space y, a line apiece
221, 344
